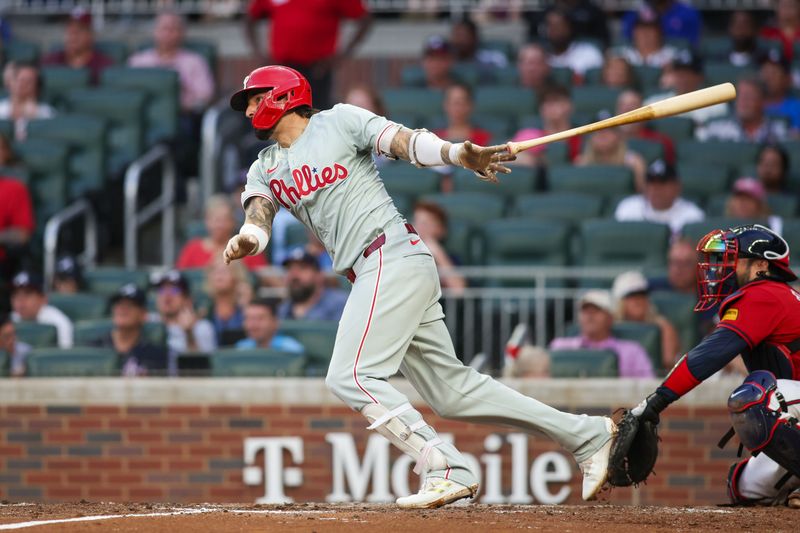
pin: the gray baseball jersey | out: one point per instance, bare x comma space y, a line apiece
329, 182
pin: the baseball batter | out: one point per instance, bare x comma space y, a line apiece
321, 169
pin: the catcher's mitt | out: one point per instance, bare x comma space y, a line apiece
634, 452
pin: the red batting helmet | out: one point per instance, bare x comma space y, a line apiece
280, 81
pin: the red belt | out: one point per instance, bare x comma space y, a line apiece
379, 241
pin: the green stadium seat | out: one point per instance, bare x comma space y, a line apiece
317, 338
727, 154
195, 229
593, 76
91, 332
86, 137
80, 306
583, 364
650, 150
527, 242
505, 101
721, 72
501, 128
5, 364
605, 180
703, 180
36, 334
403, 178
505, 46
7, 128
124, 111
116, 50
20, 51
256, 363
18, 172
562, 76
508, 76
466, 73
46, 161
57, 81
676, 128
521, 181
791, 232
404, 204
715, 45
648, 77
163, 91
412, 76
413, 101
606, 242
73, 362
696, 230
462, 242
471, 207
107, 280
196, 277
565, 206
678, 308
646, 334
592, 99
715, 206
784, 205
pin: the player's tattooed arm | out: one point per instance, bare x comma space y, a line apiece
260, 212
401, 146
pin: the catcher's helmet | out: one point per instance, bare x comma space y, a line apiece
280, 82
720, 251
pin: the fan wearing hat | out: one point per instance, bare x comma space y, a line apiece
631, 295
661, 201
68, 277
137, 355
595, 320
648, 48
79, 51
308, 298
748, 202
437, 63
29, 304
609, 147
776, 73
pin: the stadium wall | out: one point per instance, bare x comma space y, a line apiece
271, 440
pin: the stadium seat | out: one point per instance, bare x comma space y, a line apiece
7, 128
791, 232
466, 73
106, 280
470, 207
715, 205
676, 128
678, 308
505, 101
116, 50
592, 99
163, 90
80, 305
646, 334
462, 242
57, 81
91, 332
317, 338
47, 163
196, 277
727, 154
583, 364
562, 76
5, 364
20, 51
72, 362
605, 180
564, 206
36, 334
648, 77
701, 180
505, 46
650, 150
527, 242
508, 76
413, 101
784, 205
256, 363
404, 204
86, 137
501, 127
606, 242
402, 178
721, 72
193, 229
522, 181
715, 45
124, 111
696, 230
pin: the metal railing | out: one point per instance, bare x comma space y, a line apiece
52, 230
164, 204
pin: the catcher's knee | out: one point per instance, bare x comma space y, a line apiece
760, 420
734, 475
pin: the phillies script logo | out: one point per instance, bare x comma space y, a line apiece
306, 181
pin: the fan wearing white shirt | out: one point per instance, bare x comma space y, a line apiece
29, 303
564, 50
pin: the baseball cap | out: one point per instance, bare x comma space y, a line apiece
647, 15
80, 15
775, 56
750, 187
628, 284
436, 44
171, 277
660, 171
27, 279
597, 298
67, 267
131, 292
688, 59
300, 255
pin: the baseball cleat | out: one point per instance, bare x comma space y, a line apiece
436, 493
793, 500
595, 468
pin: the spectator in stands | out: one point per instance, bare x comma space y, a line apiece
430, 221
79, 50
306, 38
617, 72
138, 356
16, 224
595, 320
458, 106
437, 63
748, 202
68, 277
630, 291
229, 289
530, 362
681, 269
555, 109
628, 101
533, 68
743, 33
22, 104
608, 147
786, 28
661, 201
194, 73
186, 331
565, 51
465, 43
589, 21
776, 73
678, 20
647, 47
308, 298
772, 168
261, 325
29, 303
686, 75
220, 225
15, 350
750, 123
7, 156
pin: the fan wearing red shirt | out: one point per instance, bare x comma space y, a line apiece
458, 110
304, 35
16, 223
787, 26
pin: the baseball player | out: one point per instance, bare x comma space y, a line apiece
746, 268
321, 169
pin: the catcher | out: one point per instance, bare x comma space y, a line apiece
746, 270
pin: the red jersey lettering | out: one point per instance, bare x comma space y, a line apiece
306, 181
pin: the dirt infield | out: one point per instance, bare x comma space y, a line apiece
75, 517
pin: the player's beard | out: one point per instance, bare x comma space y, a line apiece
264, 134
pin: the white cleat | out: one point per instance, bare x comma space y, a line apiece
595, 468
436, 493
